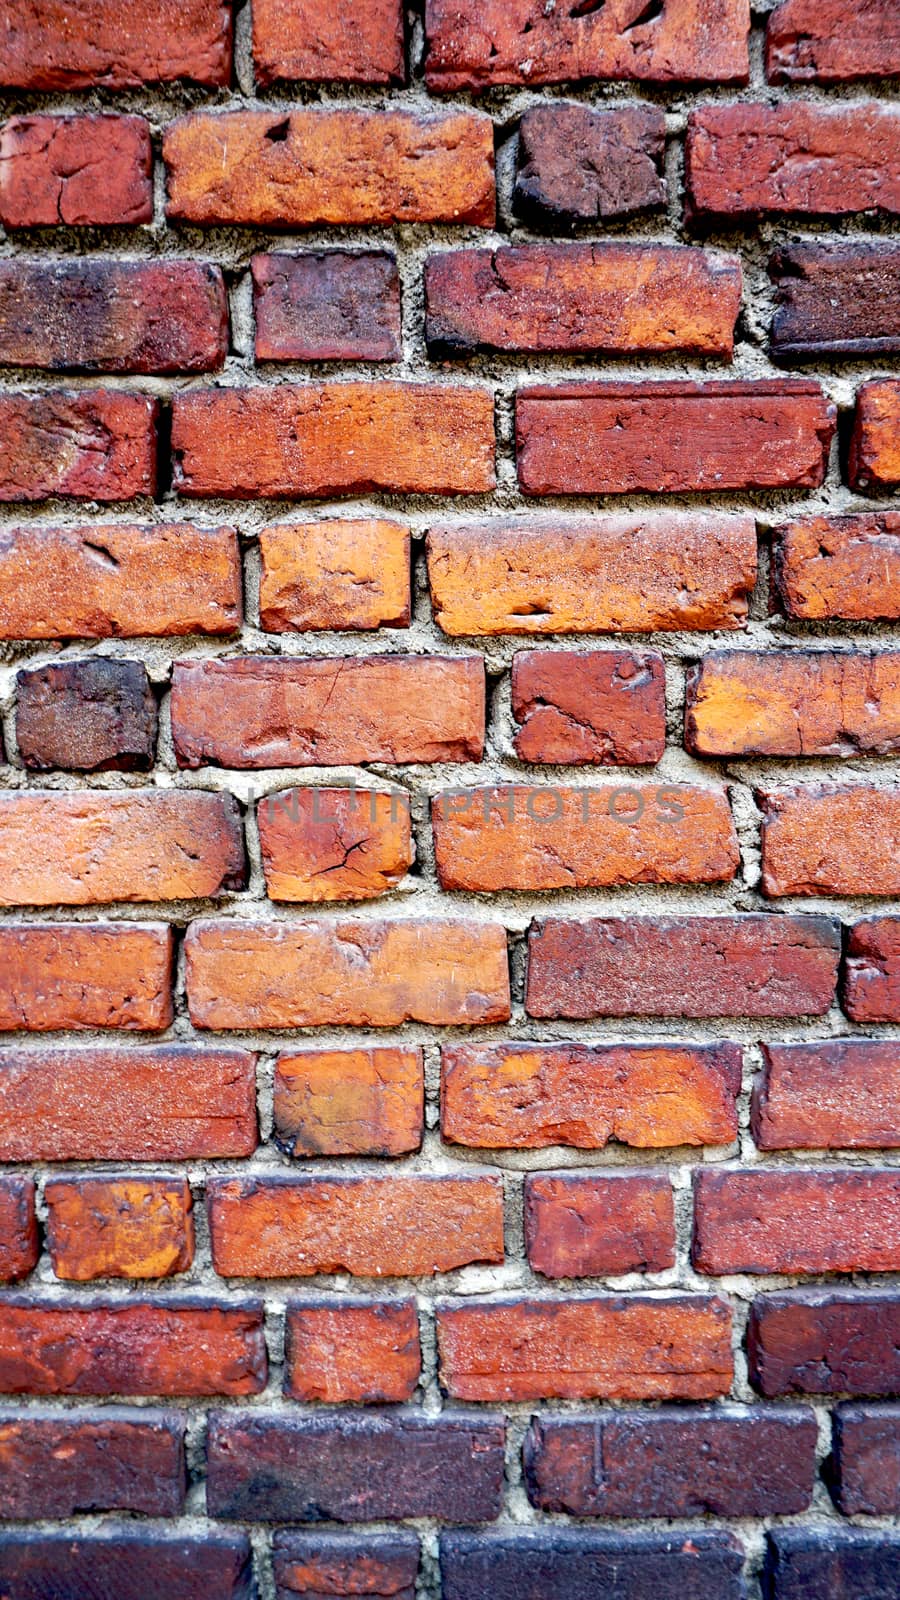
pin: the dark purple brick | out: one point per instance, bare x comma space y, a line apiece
576, 1564
824, 1341
86, 716
831, 1564
57, 1464
321, 1565
327, 305
576, 164
836, 300
124, 1563
866, 1467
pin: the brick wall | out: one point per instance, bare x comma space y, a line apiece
449, 829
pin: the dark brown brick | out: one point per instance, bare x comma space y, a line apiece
846, 568
575, 164
606, 707
825, 1341
59, 1464
86, 716
578, 1225
826, 1095
836, 300
871, 991
339, 43
345, 1564
768, 1220
19, 1245
78, 170
327, 305
867, 1460
577, 1564
829, 1563
827, 41
97, 444
126, 1562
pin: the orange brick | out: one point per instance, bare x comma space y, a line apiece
847, 568
769, 1221
95, 444
334, 844
19, 1245
340, 43
831, 841
579, 1225
875, 445
794, 703
89, 170
367, 1102
334, 575
362, 1352
119, 1227
605, 706
86, 975
50, 44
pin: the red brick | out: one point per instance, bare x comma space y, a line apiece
51, 45
846, 568
724, 966
334, 574
616, 299
832, 1094
875, 445
131, 1563
632, 1347
621, 574
672, 438
871, 991
526, 1096
835, 300
401, 1227
327, 305
577, 164
794, 703
334, 844
70, 975
867, 1460
825, 41
607, 707
828, 840
794, 159
96, 1347
80, 171
265, 711
57, 1464
585, 1226
473, 44
119, 1227
367, 1102
825, 1341
86, 716
344, 43
360, 1351
347, 166
384, 1564
93, 847
524, 837
113, 316
122, 1103
797, 1221
19, 1246
110, 580
97, 444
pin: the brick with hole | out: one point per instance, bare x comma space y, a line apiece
86, 716
360, 1352
531, 838
664, 573
127, 1561
345, 1564
81, 171
97, 444
347, 166
53, 45
841, 568
343, 44
105, 580
673, 437
59, 1463
119, 1227
866, 1462
371, 1227
828, 1095
364, 1102
794, 703
334, 574
528, 1096
825, 1341
606, 707
126, 1103
334, 844
824, 41
95, 315
835, 301
327, 305
575, 164
771, 1221
19, 1244
584, 1226
830, 840
844, 1561
875, 443
577, 1564
871, 989
75, 975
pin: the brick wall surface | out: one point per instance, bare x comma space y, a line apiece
449, 804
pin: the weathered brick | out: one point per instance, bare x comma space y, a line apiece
676, 1462
615, 299
85, 975
659, 573
576, 164
828, 1563
51, 45
334, 575
360, 1351
343, 43
149, 1103
795, 159
354, 1468
473, 44
126, 1562
19, 1246
526, 1096
119, 1227
401, 1227
110, 580
366, 1102
831, 1094
794, 703
672, 438
825, 1341
86, 848
57, 1464
607, 707
334, 844
308, 167
579, 1225
875, 444
836, 300
86, 716
97, 444
871, 991
825, 41
92, 315
768, 1220
740, 966
322, 973
79, 171
327, 305
829, 840
95, 1347
634, 1347
577, 1564
317, 1564
867, 1460
846, 568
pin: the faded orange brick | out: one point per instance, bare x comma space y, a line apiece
368, 1102
119, 1227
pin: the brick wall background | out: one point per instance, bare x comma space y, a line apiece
449, 828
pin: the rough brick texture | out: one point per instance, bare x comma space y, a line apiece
359, 1351
872, 972
341, 44
332, 305
58, 1463
875, 446
570, 1564
574, 164
19, 1247
825, 1341
607, 707
125, 1561
86, 975
319, 576
119, 1227
86, 716
830, 840
867, 1459
350, 1102
797, 703
822, 41
346, 1564
79, 170
847, 1561
97, 444
836, 300
59, 46
845, 568
834, 1094
822, 1221
334, 844
583, 1227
